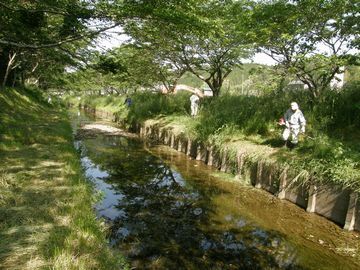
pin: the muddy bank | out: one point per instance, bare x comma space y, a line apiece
94, 129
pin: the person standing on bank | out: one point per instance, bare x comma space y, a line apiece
194, 104
294, 122
128, 101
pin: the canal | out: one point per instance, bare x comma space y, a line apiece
166, 211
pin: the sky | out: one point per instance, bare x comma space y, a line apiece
261, 58
112, 39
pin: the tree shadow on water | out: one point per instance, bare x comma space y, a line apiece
168, 223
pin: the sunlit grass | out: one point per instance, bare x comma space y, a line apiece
46, 215
329, 150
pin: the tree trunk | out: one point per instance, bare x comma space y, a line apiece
215, 82
8, 68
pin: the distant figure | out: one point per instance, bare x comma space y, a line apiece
294, 122
194, 104
128, 101
49, 100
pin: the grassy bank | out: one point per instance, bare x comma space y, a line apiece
46, 215
329, 152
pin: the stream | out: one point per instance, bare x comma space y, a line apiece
166, 211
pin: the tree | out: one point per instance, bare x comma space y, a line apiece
291, 32
209, 48
213, 56
41, 31
162, 52
131, 66
30, 26
155, 29
212, 59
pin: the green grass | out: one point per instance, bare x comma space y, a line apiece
46, 215
330, 151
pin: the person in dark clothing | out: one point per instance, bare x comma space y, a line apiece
128, 101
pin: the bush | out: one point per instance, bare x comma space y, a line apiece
251, 114
147, 105
347, 107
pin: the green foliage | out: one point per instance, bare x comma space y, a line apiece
104, 103
293, 31
346, 108
133, 66
329, 160
210, 49
41, 38
191, 80
251, 114
339, 112
148, 105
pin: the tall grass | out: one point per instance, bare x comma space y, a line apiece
329, 151
147, 105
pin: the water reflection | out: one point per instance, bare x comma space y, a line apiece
160, 220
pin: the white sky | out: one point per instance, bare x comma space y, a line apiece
261, 58
110, 39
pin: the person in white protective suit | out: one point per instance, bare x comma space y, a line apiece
294, 122
194, 104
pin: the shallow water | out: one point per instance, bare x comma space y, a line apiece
169, 212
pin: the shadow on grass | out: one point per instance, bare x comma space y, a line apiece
274, 142
31, 208
46, 216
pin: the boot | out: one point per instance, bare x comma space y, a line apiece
292, 145
286, 144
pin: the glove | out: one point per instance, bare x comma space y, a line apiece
303, 129
281, 121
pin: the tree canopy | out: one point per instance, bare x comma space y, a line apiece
39, 39
39, 36
310, 39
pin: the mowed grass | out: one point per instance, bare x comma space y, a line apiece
46, 215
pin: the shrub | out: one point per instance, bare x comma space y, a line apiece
147, 104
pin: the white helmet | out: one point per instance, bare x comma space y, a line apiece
294, 106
